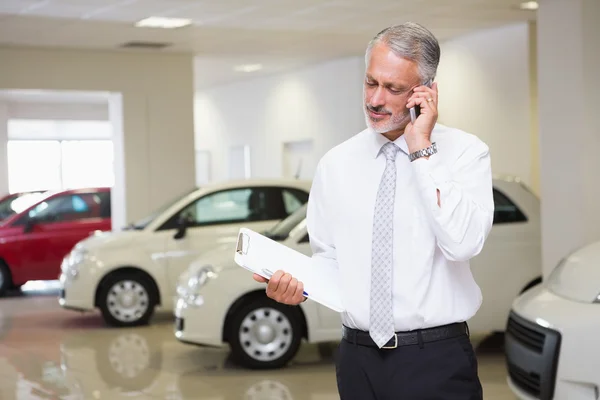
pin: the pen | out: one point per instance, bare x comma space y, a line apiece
270, 274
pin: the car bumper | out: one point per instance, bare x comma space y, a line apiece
552, 347
75, 294
196, 324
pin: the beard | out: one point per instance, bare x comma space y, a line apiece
394, 122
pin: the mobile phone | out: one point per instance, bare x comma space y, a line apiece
416, 110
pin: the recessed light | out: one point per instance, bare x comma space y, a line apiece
248, 67
529, 5
165, 23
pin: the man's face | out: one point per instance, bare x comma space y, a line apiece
389, 81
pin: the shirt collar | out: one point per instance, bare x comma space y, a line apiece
377, 140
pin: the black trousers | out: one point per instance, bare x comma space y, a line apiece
445, 370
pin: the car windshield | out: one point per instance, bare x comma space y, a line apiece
16, 203
282, 230
144, 222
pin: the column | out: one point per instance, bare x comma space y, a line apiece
569, 125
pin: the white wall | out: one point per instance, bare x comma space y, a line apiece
155, 131
484, 81
322, 103
484, 88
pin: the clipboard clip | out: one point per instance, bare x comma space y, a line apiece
243, 243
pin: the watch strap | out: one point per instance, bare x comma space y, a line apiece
428, 151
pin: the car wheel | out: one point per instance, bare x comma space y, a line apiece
265, 334
127, 300
5, 278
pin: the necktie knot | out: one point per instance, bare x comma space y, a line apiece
390, 150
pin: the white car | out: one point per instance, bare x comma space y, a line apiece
220, 303
552, 341
127, 274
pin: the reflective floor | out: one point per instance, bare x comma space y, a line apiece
50, 353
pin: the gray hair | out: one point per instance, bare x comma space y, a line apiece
414, 42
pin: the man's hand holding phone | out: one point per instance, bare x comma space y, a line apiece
418, 134
283, 288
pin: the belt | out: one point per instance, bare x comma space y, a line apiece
408, 338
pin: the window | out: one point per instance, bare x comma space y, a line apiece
71, 208
505, 211
293, 199
59, 155
33, 165
87, 163
231, 206
282, 229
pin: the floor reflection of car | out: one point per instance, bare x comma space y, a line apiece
126, 274
219, 303
34, 241
142, 363
14, 203
552, 342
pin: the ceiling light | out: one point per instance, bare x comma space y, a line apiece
165, 23
529, 5
248, 67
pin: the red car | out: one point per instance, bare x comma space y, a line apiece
11, 204
34, 241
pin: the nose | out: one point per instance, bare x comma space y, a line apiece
377, 98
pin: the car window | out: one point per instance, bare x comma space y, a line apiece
505, 210
282, 229
232, 206
71, 207
147, 220
293, 199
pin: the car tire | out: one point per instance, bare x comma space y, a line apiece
265, 334
127, 299
5, 278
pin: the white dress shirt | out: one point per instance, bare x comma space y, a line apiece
432, 280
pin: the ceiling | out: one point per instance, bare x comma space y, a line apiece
279, 34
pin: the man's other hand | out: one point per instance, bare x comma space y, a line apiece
283, 288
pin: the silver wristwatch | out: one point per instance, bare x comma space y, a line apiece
423, 152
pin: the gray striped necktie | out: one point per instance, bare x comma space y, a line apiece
381, 314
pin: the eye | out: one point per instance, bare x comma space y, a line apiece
369, 83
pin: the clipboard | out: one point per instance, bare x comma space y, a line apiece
263, 256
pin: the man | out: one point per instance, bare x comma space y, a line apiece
400, 209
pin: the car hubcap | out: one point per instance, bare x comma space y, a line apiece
129, 355
266, 334
268, 389
127, 301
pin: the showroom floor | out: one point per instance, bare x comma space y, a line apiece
50, 353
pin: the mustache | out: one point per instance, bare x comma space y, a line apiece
378, 109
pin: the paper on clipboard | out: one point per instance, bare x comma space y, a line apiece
263, 256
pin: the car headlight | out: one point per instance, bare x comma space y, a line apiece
190, 290
71, 263
200, 278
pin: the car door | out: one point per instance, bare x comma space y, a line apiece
54, 227
507, 262
216, 219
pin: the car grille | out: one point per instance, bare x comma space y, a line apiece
529, 382
532, 356
529, 337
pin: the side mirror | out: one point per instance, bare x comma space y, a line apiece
182, 225
29, 225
